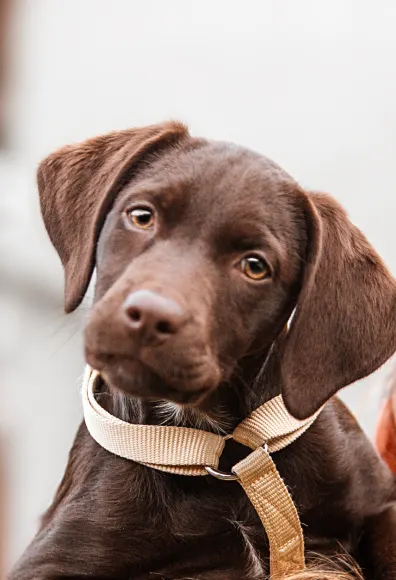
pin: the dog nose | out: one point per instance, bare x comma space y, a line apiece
153, 317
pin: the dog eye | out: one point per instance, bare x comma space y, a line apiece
255, 268
141, 217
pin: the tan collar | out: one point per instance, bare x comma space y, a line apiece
185, 451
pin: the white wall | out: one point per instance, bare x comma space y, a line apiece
310, 84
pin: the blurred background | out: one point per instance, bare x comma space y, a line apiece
310, 84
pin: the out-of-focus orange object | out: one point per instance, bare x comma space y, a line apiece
386, 432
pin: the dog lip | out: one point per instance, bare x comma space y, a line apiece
102, 360
99, 360
103, 357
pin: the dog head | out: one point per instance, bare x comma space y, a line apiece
203, 250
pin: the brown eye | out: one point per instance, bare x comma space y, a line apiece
141, 217
255, 268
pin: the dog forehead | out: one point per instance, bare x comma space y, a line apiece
226, 154
220, 173
220, 163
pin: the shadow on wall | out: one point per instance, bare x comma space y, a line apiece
5, 12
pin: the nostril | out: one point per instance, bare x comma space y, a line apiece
134, 314
164, 327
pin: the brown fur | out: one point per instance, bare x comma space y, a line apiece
214, 203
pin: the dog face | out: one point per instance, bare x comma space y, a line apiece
202, 251
198, 263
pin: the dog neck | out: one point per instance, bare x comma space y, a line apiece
255, 380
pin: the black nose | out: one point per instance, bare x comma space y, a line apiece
153, 317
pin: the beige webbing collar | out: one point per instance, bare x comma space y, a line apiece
185, 451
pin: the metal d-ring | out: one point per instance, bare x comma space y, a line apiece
223, 475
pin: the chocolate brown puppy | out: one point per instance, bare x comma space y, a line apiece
203, 251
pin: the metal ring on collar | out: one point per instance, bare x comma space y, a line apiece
223, 475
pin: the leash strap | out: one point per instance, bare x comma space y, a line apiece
186, 451
271, 499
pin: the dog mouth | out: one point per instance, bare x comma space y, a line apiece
185, 386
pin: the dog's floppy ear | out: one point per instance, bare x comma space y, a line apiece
345, 322
77, 186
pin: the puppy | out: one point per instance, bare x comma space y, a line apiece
203, 252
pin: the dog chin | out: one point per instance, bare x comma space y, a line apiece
136, 379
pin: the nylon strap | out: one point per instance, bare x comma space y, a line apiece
173, 449
186, 451
272, 501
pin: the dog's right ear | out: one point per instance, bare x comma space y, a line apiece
344, 327
77, 186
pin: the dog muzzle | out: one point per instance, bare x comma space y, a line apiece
192, 452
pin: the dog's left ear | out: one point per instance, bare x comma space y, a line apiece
77, 186
344, 327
